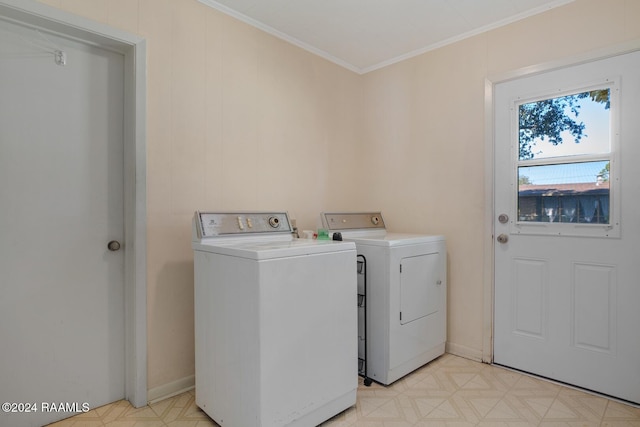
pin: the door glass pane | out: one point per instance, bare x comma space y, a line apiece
569, 125
569, 193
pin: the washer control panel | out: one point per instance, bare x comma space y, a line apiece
352, 221
211, 224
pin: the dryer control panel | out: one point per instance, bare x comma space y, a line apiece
214, 224
353, 221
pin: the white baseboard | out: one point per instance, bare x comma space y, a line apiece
181, 385
464, 351
171, 389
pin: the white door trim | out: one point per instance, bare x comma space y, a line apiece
489, 142
133, 48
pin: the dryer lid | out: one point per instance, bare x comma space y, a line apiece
391, 239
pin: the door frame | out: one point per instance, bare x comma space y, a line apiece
133, 48
489, 142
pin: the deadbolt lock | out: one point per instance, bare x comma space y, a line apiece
503, 218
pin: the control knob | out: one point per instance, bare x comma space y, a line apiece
274, 222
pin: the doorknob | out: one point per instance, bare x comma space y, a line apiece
502, 238
113, 245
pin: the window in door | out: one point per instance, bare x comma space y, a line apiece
565, 163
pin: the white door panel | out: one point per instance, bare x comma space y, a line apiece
419, 287
61, 193
566, 304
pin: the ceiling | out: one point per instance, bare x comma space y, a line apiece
364, 35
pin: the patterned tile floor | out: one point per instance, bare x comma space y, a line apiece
450, 391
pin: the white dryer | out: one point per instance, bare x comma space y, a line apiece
275, 321
406, 295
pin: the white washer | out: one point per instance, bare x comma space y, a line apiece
275, 321
406, 296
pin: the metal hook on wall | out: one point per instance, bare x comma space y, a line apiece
43, 43
60, 57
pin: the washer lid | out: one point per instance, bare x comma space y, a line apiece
263, 250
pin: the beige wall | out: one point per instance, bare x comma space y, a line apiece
240, 120
424, 121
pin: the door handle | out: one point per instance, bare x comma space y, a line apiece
113, 245
502, 238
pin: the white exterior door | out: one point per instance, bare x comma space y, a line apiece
61, 202
567, 270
